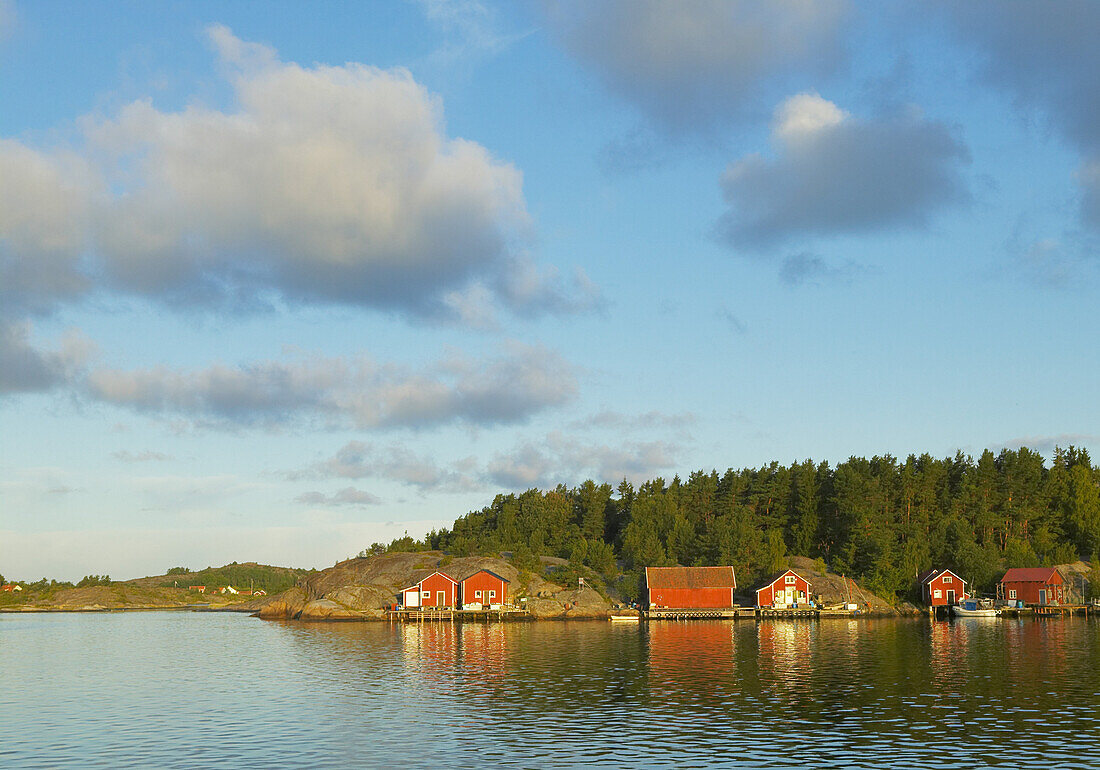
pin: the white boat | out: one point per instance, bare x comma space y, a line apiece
625, 618
975, 608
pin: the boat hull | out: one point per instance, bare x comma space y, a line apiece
962, 612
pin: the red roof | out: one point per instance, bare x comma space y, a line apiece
1029, 575
690, 577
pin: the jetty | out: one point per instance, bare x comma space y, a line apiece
448, 614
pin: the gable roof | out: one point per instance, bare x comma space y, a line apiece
774, 577
487, 572
1029, 575
425, 577
929, 575
690, 577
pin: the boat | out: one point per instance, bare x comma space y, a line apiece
975, 608
625, 618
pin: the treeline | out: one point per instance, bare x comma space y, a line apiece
271, 579
880, 520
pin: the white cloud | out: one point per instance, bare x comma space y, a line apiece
341, 392
360, 460
1046, 55
834, 174
323, 184
25, 367
694, 64
45, 202
347, 496
562, 459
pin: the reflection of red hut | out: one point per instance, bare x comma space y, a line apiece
436, 590
484, 588
690, 587
1032, 585
941, 588
783, 590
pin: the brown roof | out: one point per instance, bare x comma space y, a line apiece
690, 577
1029, 575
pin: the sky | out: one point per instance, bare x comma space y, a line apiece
281, 280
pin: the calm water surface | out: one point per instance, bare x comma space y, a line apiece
184, 690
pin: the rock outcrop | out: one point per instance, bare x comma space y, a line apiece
361, 588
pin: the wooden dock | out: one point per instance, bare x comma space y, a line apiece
689, 613
448, 615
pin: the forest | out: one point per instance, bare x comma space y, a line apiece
881, 521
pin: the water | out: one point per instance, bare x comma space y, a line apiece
199, 690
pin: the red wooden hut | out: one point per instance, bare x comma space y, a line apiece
783, 589
436, 590
941, 587
1032, 585
484, 588
689, 587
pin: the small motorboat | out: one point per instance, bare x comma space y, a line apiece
975, 608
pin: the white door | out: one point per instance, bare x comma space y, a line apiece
412, 598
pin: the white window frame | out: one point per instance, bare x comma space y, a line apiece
946, 578
937, 594
790, 580
1012, 593
477, 594
492, 594
425, 594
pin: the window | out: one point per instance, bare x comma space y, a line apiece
789, 580
426, 594
477, 594
492, 594
1012, 593
938, 594
947, 578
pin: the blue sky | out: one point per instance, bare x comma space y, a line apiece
279, 281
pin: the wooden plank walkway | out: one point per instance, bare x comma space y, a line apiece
448, 615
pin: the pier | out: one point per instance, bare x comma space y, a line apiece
449, 615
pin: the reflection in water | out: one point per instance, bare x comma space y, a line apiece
185, 690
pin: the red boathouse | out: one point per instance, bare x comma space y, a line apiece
436, 590
941, 588
1032, 585
783, 590
689, 587
484, 588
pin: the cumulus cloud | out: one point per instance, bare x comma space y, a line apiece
345, 496
1046, 445
343, 392
394, 462
25, 367
1046, 55
44, 218
834, 173
690, 65
322, 184
561, 459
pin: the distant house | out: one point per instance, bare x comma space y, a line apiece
436, 590
689, 587
229, 590
12, 587
200, 589
1032, 585
784, 589
259, 592
484, 588
941, 587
